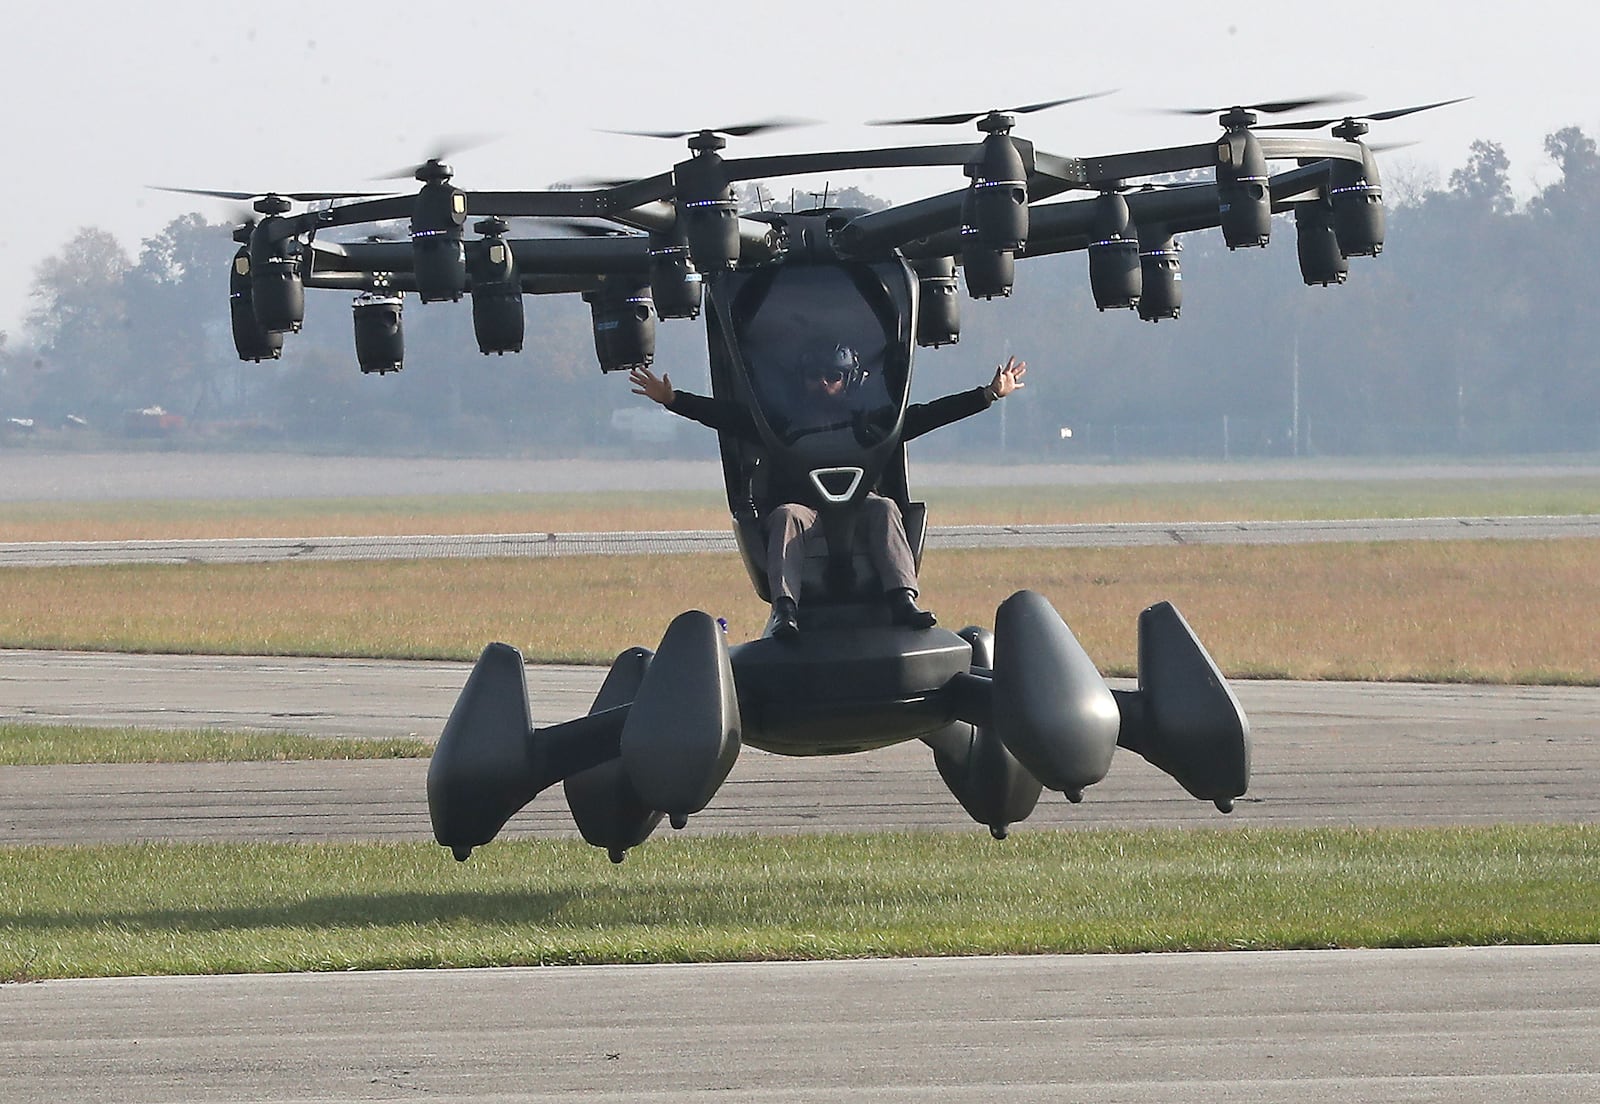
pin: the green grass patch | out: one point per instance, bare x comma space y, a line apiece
1238, 500
184, 908
25, 744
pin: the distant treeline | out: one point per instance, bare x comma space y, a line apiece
1472, 334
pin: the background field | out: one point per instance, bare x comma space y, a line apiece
1493, 611
999, 504
1496, 611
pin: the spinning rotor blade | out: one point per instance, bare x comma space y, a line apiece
298, 197
442, 148
967, 117
578, 229
738, 130
1270, 107
1375, 117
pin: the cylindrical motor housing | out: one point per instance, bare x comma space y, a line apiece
276, 288
439, 257
380, 336
707, 210
498, 320
497, 314
999, 194
1357, 197
938, 305
674, 284
990, 273
624, 318
1244, 194
1322, 262
1114, 274
249, 339
1161, 275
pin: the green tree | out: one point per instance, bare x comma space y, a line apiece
80, 318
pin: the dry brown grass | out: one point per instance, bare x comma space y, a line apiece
1485, 610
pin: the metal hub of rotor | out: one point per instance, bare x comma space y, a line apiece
434, 171
707, 141
997, 122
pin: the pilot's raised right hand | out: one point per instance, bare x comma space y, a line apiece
651, 386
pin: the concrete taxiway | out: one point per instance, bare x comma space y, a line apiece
1463, 1025
1324, 753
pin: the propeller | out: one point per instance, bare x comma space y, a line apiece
1269, 107
1375, 117
968, 116
448, 146
298, 197
588, 183
579, 229
738, 130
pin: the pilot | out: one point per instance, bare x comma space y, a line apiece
826, 380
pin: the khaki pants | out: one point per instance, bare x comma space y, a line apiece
792, 530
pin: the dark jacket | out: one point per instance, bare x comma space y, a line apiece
726, 416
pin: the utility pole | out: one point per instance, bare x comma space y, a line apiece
1294, 425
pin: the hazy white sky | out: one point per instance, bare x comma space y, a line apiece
105, 97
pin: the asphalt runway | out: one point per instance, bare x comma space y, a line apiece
1461, 1025
1324, 753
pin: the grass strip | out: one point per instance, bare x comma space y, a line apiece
24, 744
1432, 611
187, 908
1239, 500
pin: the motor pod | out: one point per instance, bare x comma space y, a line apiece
990, 272
277, 291
438, 255
675, 286
681, 736
380, 334
1357, 197
1244, 193
607, 810
1115, 276
999, 194
1322, 262
706, 206
497, 314
938, 305
1160, 275
994, 789
1184, 718
250, 340
1051, 708
484, 767
624, 319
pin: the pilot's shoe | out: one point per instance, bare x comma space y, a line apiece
903, 610
785, 619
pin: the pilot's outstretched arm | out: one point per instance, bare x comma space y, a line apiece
719, 414
924, 417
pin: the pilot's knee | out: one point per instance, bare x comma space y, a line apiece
789, 518
879, 509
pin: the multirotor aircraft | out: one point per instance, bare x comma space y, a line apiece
1006, 713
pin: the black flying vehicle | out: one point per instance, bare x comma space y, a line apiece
1006, 713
